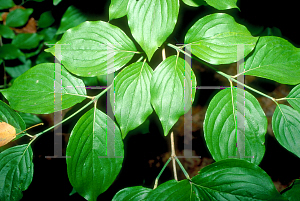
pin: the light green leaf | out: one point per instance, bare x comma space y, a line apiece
16, 172
117, 9
71, 18
91, 170
136, 193
294, 98
292, 192
215, 38
9, 51
4, 4
33, 91
16, 71
168, 90
85, 48
55, 2
194, 3
46, 19
223, 4
18, 17
222, 121
132, 96
30, 119
276, 59
286, 127
27, 40
6, 32
151, 22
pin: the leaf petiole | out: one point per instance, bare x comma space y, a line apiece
162, 170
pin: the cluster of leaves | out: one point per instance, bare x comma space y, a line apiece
85, 50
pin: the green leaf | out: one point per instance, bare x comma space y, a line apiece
84, 48
33, 91
55, 2
194, 3
274, 31
294, 97
214, 39
27, 40
16, 71
132, 96
9, 51
4, 4
18, 17
48, 33
35, 51
135, 193
46, 19
6, 32
30, 119
91, 170
151, 22
117, 9
223, 4
168, 88
16, 172
286, 127
276, 59
292, 192
71, 18
221, 124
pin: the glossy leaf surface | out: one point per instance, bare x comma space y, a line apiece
223, 4
135, 193
294, 98
194, 3
117, 9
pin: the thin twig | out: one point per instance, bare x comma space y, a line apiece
173, 155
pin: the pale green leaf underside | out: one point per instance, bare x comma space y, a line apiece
117, 9
276, 59
33, 91
136, 193
85, 49
16, 172
91, 170
294, 98
223, 118
222, 4
151, 22
132, 96
286, 127
168, 90
215, 39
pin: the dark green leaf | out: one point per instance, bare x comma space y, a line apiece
286, 127
276, 59
132, 96
151, 22
294, 98
117, 9
84, 48
9, 51
46, 19
91, 170
30, 119
194, 3
220, 126
71, 18
35, 51
168, 90
44, 57
55, 2
27, 40
292, 192
274, 31
6, 32
16, 172
136, 193
33, 91
18, 17
16, 71
4, 4
214, 39
48, 33
223, 4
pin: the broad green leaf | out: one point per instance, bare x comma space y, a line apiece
6, 32
223, 4
48, 33
117, 9
44, 57
55, 2
132, 96
222, 121
9, 51
30, 119
71, 18
4, 4
33, 91
215, 39
292, 192
294, 98
151, 22
91, 168
18, 17
11, 117
194, 3
35, 51
85, 48
274, 31
168, 89
286, 127
46, 19
276, 59
16, 71
27, 40
136, 193
16, 172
